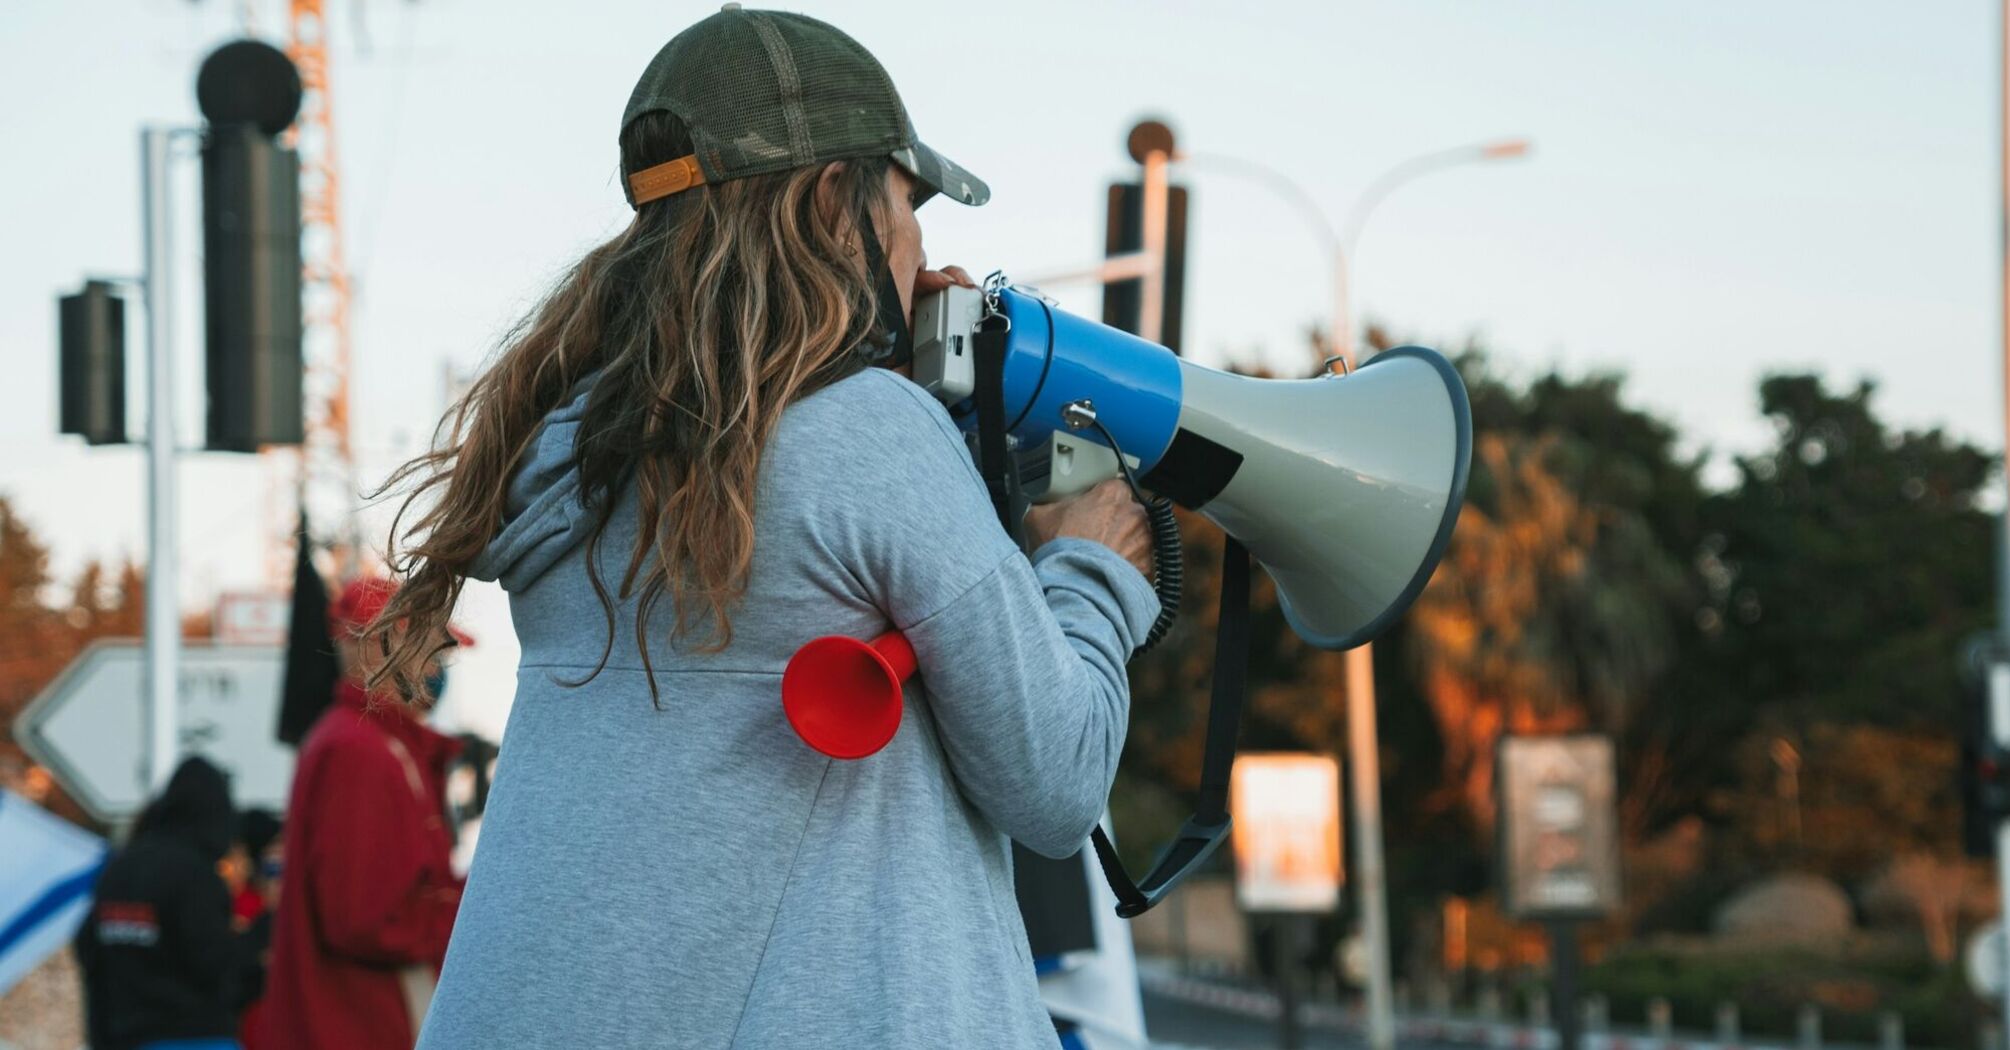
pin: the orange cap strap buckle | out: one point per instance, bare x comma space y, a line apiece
664, 179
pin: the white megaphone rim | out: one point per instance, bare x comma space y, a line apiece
1455, 500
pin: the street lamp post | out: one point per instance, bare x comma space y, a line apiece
163, 627
1363, 760
1999, 674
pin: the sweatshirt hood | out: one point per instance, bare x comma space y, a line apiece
544, 514
195, 806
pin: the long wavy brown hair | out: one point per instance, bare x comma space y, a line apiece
714, 310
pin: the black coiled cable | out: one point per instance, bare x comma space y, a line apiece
1168, 553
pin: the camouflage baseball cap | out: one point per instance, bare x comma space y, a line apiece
765, 91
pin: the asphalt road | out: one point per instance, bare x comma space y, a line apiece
1179, 1024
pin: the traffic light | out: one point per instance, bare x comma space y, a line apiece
251, 248
91, 395
1985, 764
1123, 235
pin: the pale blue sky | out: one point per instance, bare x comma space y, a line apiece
1716, 190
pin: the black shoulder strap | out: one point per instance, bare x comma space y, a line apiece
994, 460
1204, 831
1230, 685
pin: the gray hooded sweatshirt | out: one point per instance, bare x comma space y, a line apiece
691, 874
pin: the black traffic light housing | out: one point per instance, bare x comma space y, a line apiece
1985, 763
91, 364
1124, 300
250, 92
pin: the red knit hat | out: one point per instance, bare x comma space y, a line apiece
361, 601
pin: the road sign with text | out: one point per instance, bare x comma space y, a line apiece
89, 725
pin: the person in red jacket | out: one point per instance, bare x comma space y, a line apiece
370, 892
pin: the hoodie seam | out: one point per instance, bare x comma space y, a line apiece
995, 569
763, 673
781, 899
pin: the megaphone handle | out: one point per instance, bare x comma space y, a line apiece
1168, 550
894, 648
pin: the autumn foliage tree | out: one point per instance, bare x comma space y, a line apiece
43, 626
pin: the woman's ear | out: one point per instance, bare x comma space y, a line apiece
829, 207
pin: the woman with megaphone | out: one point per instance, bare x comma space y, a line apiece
696, 454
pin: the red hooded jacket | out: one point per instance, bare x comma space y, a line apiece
369, 893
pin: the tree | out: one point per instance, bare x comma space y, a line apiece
42, 629
1847, 566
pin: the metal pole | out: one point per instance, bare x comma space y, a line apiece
1364, 770
1152, 297
163, 628
1999, 725
1284, 956
1999, 675
1563, 961
1342, 336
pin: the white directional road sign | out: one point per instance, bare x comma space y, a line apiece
89, 726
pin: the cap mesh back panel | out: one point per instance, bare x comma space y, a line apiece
853, 110
767, 91
733, 102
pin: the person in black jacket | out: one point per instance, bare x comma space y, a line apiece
157, 949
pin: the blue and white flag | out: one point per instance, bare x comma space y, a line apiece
45, 886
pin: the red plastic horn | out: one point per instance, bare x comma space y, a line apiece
842, 695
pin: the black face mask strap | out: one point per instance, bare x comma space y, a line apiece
891, 344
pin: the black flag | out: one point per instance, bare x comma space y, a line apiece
311, 668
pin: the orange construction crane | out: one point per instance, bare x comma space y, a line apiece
323, 469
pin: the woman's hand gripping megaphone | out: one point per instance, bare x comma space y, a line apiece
1106, 514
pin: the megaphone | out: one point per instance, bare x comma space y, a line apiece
1344, 488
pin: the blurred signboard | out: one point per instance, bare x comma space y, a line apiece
1286, 813
1559, 843
253, 617
89, 725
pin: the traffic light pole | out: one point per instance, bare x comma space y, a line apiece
1999, 728
163, 627
1999, 673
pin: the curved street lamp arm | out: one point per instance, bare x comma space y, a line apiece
1283, 185
1417, 166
